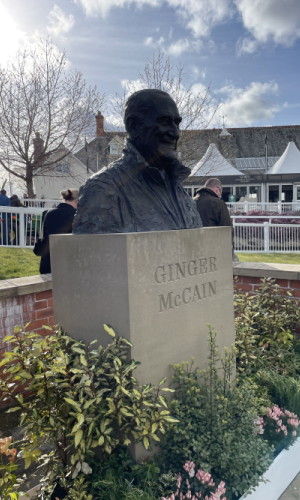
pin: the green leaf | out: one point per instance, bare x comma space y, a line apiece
109, 330
78, 437
146, 443
11, 410
101, 440
83, 360
73, 403
78, 349
125, 412
13, 496
171, 419
154, 428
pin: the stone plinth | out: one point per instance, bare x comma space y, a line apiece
158, 289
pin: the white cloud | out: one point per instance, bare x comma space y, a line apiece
199, 16
102, 7
197, 73
10, 35
183, 45
243, 107
271, 20
59, 22
130, 86
246, 46
176, 48
149, 41
113, 122
202, 15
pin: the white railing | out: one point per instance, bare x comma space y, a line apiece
20, 226
39, 202
266, 237
249, 206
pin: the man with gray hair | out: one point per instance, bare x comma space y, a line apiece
212, 209
142, 190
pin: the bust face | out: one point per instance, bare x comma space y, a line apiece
158, 132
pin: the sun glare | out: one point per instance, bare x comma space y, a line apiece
10, 35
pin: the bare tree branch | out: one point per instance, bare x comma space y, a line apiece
196, 104
42, 99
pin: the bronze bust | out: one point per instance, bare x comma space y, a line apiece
141, 191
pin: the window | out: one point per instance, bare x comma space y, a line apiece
63, 169
273, 193
114, 148
240, 192
254, 193
287, 193
227, 193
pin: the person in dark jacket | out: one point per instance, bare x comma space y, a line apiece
4, 219
212, 209
142, 190
58, 220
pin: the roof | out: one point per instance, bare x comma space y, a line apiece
259, 163
289, 161
214, 164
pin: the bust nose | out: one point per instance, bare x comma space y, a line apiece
174, 131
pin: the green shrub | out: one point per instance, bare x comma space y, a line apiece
282, 389
216, 427
265, 330
84, 400
119, 477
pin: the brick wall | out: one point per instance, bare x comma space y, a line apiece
247, 276
25, 300
251, 284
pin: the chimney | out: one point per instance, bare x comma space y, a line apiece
99, 125
38, 148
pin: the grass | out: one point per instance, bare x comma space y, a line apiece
280, 258
18, 262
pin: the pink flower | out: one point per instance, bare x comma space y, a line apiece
190, 468
179, 480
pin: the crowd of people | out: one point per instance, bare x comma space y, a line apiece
9, 223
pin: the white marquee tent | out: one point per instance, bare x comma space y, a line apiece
213, 164
289, 161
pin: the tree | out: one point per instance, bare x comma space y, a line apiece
43, 106
195, 103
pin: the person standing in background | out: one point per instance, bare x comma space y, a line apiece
58, 220
4, 220
212, 209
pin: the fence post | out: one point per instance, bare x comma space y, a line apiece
266, 236
22, 238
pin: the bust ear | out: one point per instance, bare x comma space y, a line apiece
132, 126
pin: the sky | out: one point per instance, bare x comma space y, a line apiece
246, 51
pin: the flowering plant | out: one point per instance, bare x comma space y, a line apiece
8, 479
279, 426
194, 485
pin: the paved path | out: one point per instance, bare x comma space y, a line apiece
292, 492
